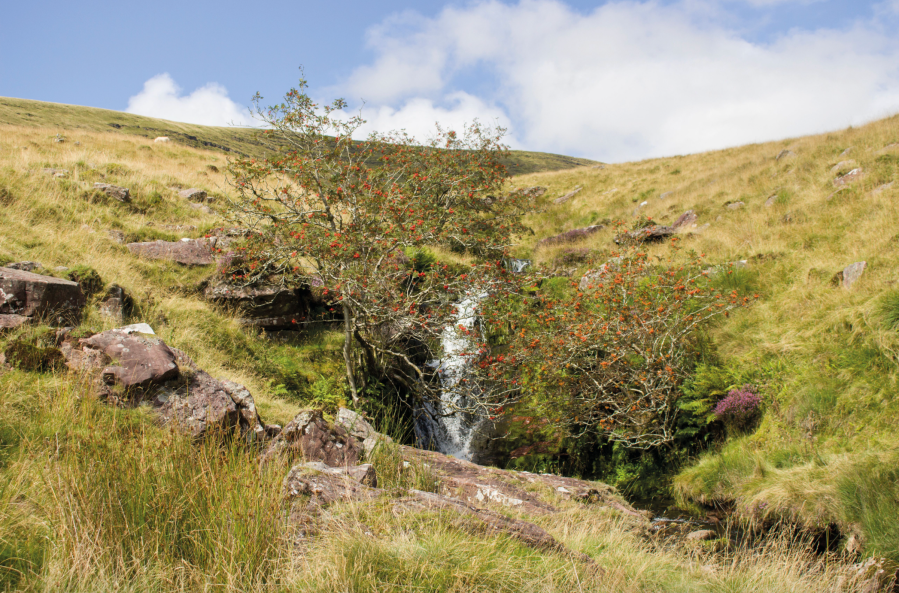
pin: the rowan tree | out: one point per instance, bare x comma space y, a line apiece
361, 222
608, 353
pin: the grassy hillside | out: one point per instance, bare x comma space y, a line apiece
239, 141
825, 359
95, 498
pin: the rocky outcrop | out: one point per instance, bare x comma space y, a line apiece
850, 177
361, 430
309, 488
194, 194
131, 366
116, 303
188, 252
659, 232
265, 306
568, 196
528, 492
122, 194
52, 300
570, 236
310, 437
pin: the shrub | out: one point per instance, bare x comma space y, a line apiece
740, 407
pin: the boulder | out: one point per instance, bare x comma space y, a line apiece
57, 172
122, 194
770, 201
162, 139
881, 188
850, 275
309, 436
701, 535
53, 300
665, 195
182, 395
359, 428
138, 360
850, 177
659, 232
568, 196
188, 252
735, 205
194, 194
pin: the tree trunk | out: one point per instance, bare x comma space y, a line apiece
348, 324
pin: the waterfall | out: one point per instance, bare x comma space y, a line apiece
451, 434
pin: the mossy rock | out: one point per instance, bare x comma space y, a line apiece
90, 281
27, 355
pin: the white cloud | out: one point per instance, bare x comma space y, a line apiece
418, 116
208, 105
628, 80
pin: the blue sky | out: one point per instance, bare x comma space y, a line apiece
607, 80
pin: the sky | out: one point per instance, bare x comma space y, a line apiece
612, 81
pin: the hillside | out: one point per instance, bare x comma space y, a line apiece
239, 141
823, 356
95, 496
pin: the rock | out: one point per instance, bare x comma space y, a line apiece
309, 436
182, 395
842, 165
25, 266
364, 474
735, 205
139, 361
8, 322
532, 192
116, 304
359, 428
53, 300
701, 535
162, 139
876, 575
194, 194
850, 275
190, 252
850, 177
197, 406
567, 196
784, 154
771, 201
140, 328
572, 235
201, 207
881, 188
665, 195
489, 486
494, 523
659, 232
122, 194
267, 305
592, 277
846, 152
56, 172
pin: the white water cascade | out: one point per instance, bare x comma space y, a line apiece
441, 425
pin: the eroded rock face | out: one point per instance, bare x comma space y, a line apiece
359, 428
53, 300
188, 252
265, 306
309, 436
